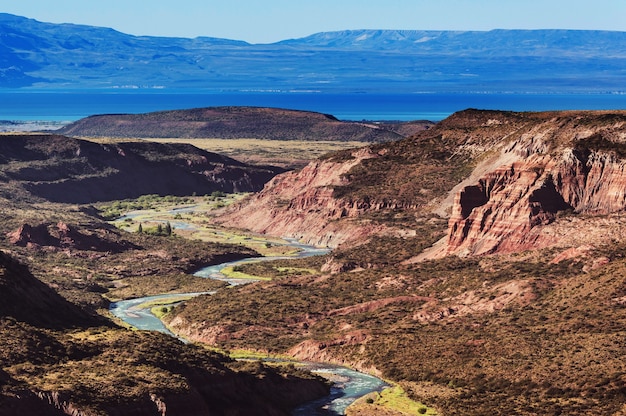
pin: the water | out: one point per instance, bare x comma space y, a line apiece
70, 106
351, 384
132, 312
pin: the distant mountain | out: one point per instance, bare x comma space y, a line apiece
36, 54
239, 122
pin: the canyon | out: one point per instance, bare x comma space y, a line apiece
490, 246
478, 263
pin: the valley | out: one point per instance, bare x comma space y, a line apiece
478, 265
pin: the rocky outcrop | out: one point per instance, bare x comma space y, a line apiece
301, 205
502, 211
62, 236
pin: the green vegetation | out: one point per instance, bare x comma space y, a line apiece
523, 355
116, 209
236, 272
196, 212
390, 399
282, 268
141, 286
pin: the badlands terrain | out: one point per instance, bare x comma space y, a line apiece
478, 265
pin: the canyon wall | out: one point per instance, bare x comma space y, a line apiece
300, 204
502, 177
504, 210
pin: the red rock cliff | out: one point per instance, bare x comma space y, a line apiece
300, 204
554, 169
527, 167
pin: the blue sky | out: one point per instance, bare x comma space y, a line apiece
265, 21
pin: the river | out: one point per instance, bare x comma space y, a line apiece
348, 385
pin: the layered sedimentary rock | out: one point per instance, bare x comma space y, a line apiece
503, 211
499, 178
300, 204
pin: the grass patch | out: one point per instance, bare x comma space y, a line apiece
235, 272
163, 302
161, 311
395, 398
190, 218
296, 270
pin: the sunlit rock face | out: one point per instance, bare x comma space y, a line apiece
501, 213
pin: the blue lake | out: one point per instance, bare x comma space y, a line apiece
73, 105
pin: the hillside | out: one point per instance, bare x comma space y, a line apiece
61, 354
479, 264
58, 360
62, 169
238, 122
453, 173
50, 56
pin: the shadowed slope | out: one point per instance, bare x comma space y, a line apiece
62, 169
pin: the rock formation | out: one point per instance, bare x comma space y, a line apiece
505, 209
526, 168
301, 205
62, 236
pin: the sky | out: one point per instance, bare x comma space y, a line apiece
267, 21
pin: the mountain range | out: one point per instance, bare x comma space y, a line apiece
66, 56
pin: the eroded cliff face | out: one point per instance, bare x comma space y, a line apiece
556, 168
301, 205
498, 177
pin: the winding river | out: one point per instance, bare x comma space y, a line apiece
348, 385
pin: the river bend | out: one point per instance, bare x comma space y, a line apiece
349, 384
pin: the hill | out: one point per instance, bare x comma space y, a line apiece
45, 55
59, 353
455, 172
62, 169
238, 122
57, 360
479, 264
